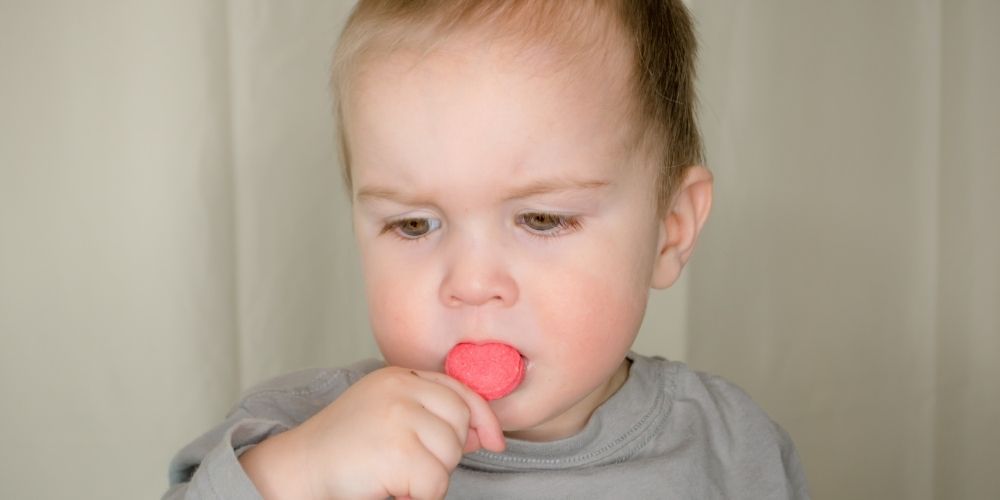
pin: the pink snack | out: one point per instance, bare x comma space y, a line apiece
492, 370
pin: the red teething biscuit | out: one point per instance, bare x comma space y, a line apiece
492, 370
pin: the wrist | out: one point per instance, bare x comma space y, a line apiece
272, 466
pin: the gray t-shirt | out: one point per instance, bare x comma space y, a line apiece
669, 432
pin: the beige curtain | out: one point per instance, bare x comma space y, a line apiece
850, 276
173, 230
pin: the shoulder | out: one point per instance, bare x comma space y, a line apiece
721, 404
748, 446
731, 404
293, 397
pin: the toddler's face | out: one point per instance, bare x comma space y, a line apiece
495, 200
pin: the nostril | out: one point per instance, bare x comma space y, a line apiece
469, 285
456, 301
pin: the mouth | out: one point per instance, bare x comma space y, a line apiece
493, 370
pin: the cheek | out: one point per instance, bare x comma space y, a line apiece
593, 314
601, 293
400, 316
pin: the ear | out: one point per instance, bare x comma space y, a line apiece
680, 225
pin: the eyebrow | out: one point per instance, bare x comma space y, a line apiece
556, 186
528, 190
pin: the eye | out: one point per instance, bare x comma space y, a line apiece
542, 222
547, 225
412, 228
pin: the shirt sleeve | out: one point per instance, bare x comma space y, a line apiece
758, 456
209, 467
795, 475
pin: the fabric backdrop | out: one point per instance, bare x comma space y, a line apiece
173, 230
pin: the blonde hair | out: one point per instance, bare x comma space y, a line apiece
658, 33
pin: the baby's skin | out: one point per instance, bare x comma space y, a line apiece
397, 432
497, 196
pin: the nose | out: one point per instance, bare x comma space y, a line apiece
477, 276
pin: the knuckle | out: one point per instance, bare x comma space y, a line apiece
438, 484
394, 376
396, 411
453, 457
465, 412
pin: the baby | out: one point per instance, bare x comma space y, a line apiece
522, 173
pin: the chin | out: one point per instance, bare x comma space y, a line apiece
514, 413
520, 414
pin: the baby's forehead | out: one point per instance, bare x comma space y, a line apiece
508, 81
577, 49
639, 54
583, 39
456, 56
579, 77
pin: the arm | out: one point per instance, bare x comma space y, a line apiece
394, 432
209, 468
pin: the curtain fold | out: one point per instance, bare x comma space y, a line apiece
968, 310
848, 278
117, 310
300, 293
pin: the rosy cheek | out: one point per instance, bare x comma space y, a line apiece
387, 313
592, 314
400, 318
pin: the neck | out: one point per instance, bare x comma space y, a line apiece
573, 420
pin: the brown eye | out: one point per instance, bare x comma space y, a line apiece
542, 222
414, 228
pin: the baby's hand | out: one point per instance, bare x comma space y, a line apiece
396, 432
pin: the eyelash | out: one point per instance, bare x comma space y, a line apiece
566, 223
393, 228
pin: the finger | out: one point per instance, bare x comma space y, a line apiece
444, 402
482, 420
438, 437
472, 442
417, 473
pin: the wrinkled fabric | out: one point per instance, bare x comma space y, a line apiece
669, 432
